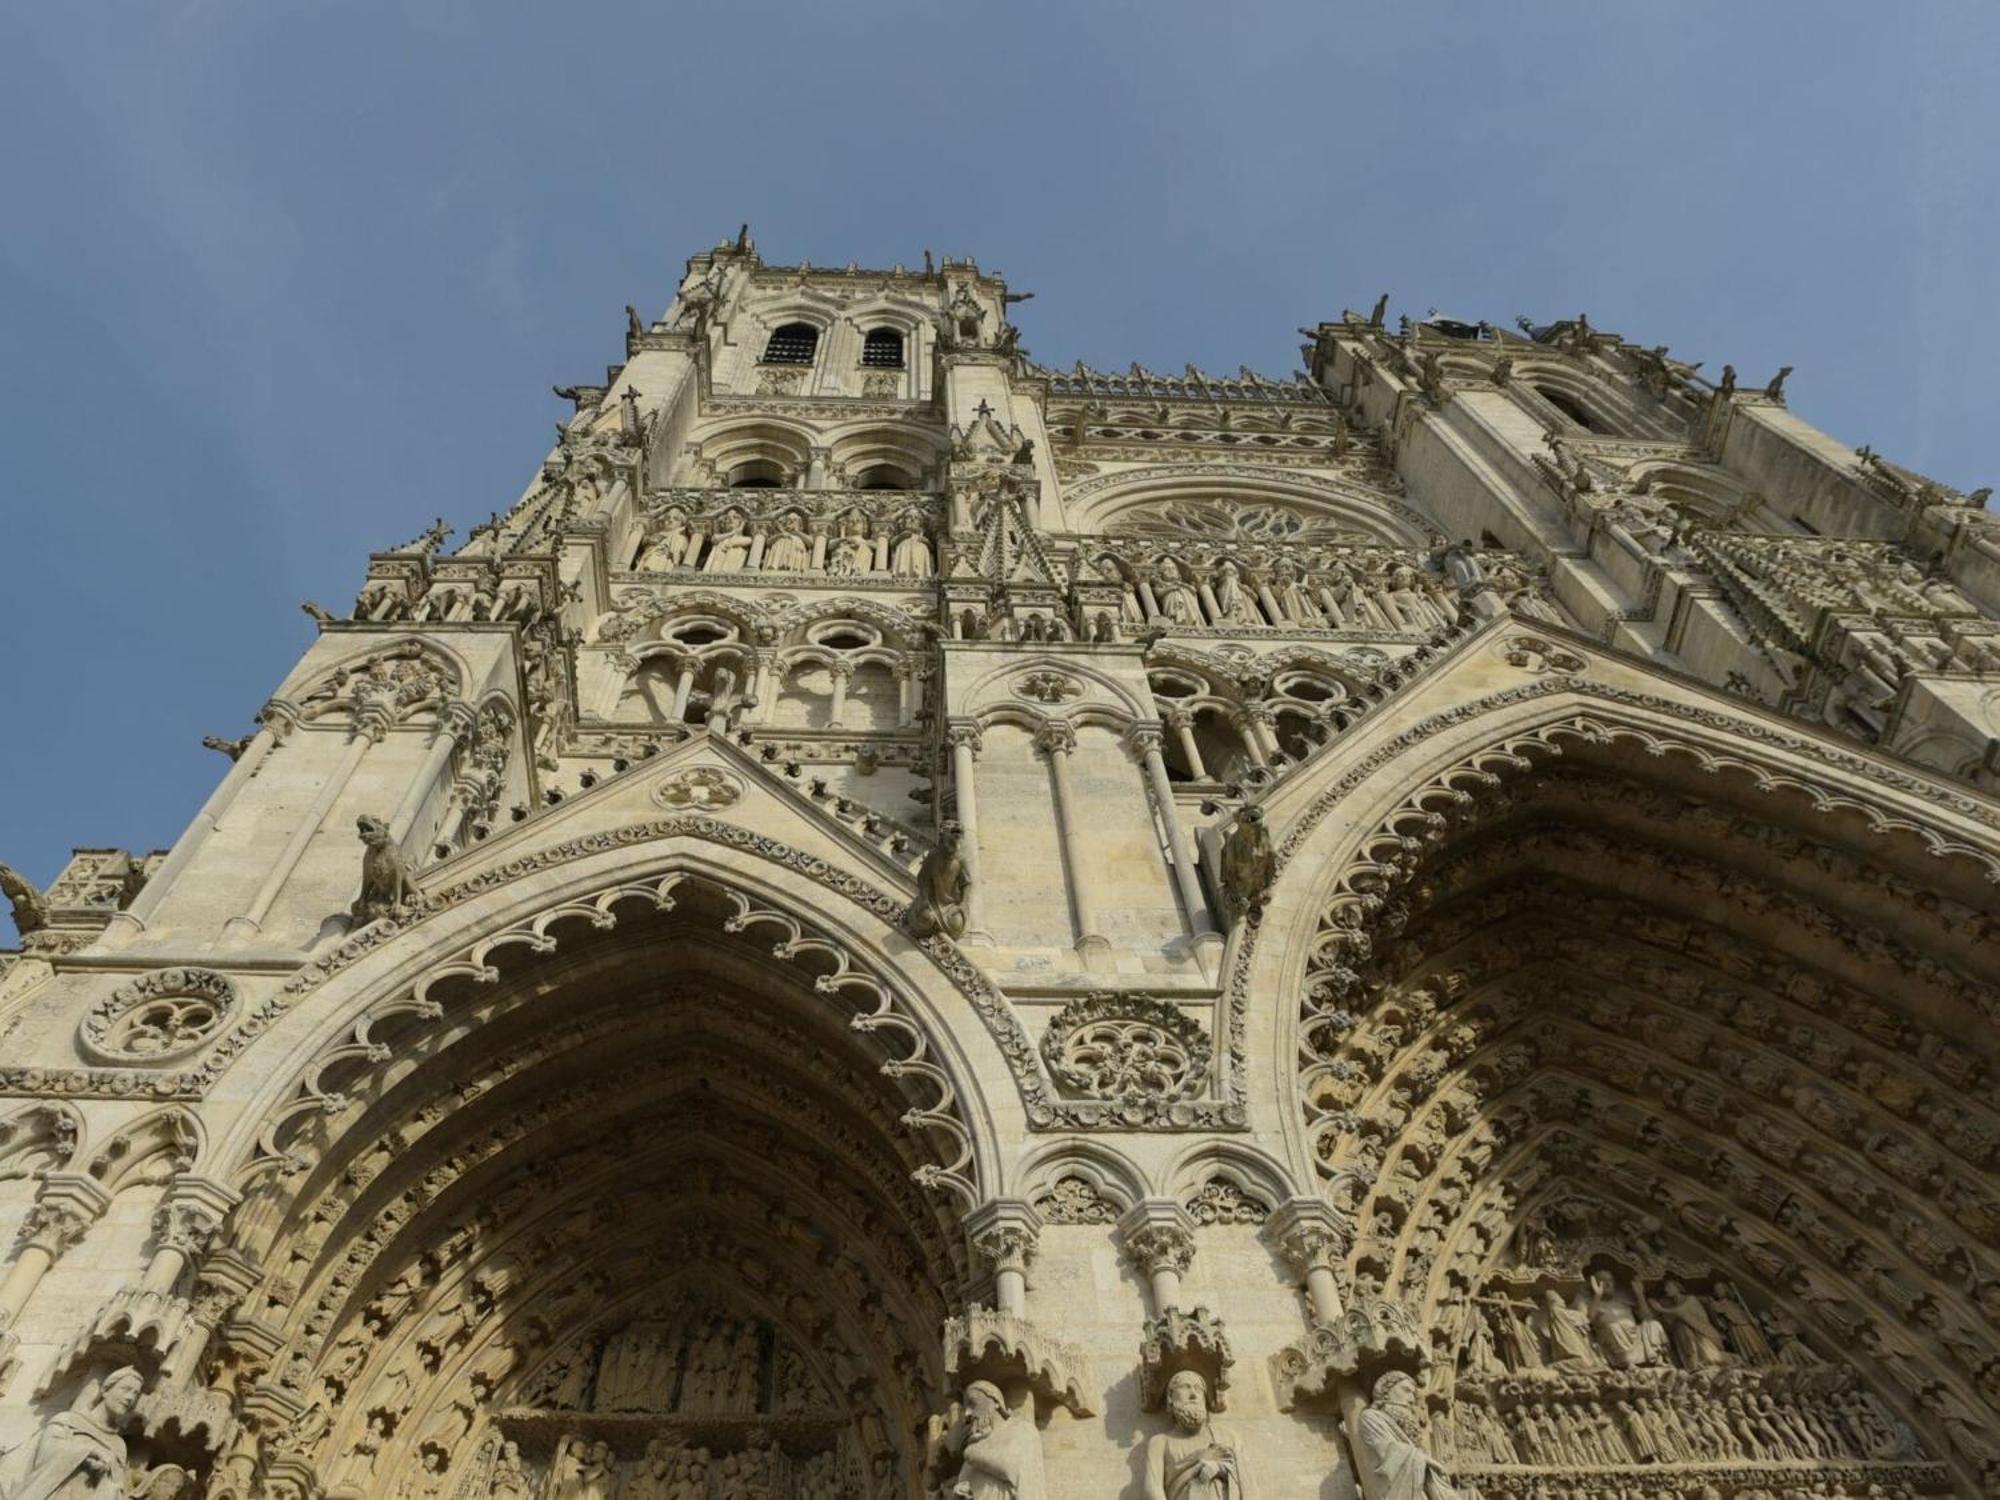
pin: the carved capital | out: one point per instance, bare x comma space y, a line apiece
1055, 739
69, 1204
966, 734
1142, 740
1310, 1234
1005, 1232
1159, 1236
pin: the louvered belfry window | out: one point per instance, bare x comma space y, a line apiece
883, 349
793, 344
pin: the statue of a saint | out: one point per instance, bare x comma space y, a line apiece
910, 557
852, 551
670, 541
729, 546
1393, 1461
1000, 1451
1234, 604
788, 551
1174, 596
942, 884
78, 1454
1191, 1462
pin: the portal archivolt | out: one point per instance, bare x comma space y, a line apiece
1667, 1102
640, 1204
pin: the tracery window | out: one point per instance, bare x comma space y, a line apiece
792, 344
882, 349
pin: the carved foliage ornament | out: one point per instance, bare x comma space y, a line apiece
1128, 1048
165, 1014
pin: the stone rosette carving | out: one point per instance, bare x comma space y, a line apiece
158, 1016
1048, 687
699, 789
1370, 1337
985, 1344
1180, 1340
1131, 1050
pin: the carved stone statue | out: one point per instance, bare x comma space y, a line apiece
385, 879
1191, 1462
31, 911
1000, 1451
911, 555
942, 884
78, 1454
1695, 1338
1625, 1342
510, 1480
788, 551
1248, 864
1393, 1462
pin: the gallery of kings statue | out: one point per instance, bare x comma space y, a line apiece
909, 925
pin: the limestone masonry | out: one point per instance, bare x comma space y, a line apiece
906, 925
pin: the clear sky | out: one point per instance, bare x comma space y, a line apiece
281, 281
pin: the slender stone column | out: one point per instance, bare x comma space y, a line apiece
69, 1203
1253, 745
1146, 741
1181, 721
456, 725
965, 745
906, 694
1262, 721
683, 685
191, 1216
369, 728
1005, 1232
766, 689
842, 672
1159, 1236
1314, 1239
1057, 742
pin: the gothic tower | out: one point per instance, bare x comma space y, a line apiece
905, 923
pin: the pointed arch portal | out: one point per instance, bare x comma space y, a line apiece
641, 1180
1661, 1094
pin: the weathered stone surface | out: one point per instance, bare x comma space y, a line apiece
921, 920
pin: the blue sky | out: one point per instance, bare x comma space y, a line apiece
280, 281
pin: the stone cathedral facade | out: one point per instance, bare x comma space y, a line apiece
908, 924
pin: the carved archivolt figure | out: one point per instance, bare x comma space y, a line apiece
1000, 1451
1394, 1463
942, 884
1191, 1462
78, 1455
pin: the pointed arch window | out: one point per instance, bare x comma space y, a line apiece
1570, 407
882, 349
792, 344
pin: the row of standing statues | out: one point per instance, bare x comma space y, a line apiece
1286, 596
731, 543
584, 1468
